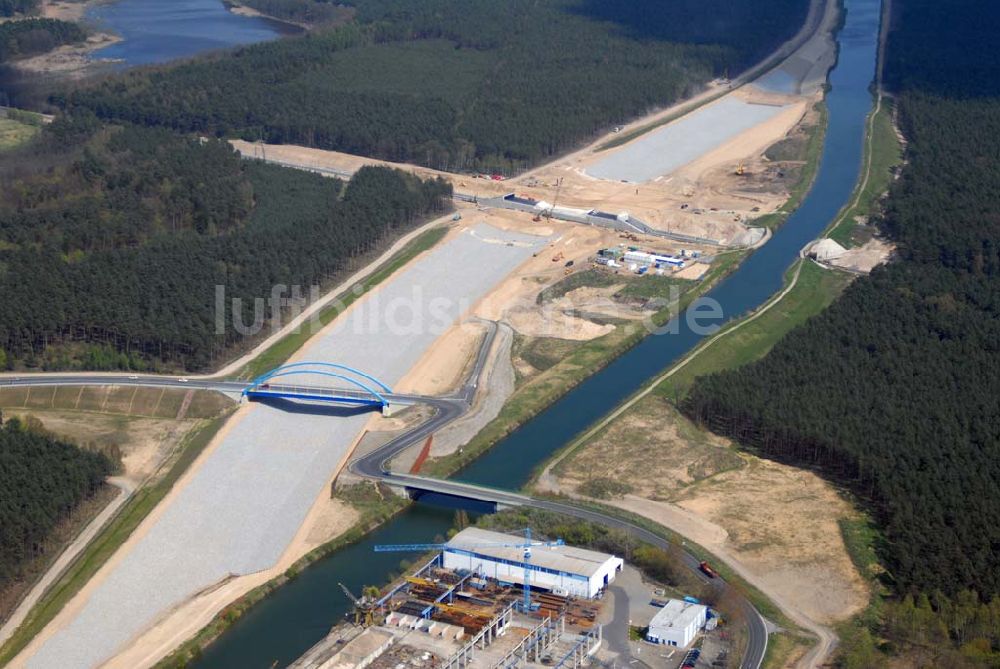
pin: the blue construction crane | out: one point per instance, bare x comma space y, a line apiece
526, 545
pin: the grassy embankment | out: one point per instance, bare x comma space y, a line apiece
374, 509
528, 400
541, 390
883, 153
123, 400
814, 290
744, 341
131, 401
17, 127
811, 155
285, 347
811, 290
108, 540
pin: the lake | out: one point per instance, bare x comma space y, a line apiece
299, 614
157, 31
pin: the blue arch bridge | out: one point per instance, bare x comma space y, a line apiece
324, 382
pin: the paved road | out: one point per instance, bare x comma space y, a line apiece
195, 383
374, 465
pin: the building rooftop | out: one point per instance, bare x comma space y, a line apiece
678, 613
569, 559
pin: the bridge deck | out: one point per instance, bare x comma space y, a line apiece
337, 395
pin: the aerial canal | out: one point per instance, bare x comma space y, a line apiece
282, 627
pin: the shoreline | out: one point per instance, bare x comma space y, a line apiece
610, 357
283, 26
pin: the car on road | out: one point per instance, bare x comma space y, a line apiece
133, 377
183, 379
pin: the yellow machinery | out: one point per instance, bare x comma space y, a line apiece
364, 608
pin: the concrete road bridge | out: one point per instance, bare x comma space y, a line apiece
361, 389
366, 391
345, 390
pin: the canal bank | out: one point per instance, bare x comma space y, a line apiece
295, 616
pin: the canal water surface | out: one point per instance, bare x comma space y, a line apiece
286, 624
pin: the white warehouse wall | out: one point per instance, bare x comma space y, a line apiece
573, 584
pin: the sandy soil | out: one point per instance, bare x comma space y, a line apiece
443, 368
144, 442
706, 185
865, 258
328, 519
75, 605
74, 61
64, 10
776, 525
693, 272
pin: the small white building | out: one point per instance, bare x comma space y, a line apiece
565, 569
677, 623
653, 259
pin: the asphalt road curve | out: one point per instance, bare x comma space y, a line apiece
374, 465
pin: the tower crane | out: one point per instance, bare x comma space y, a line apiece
525, 546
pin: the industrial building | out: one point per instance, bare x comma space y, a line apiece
564, 570
653, 259
677, 623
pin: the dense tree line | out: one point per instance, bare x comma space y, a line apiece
120, 246
927, 632
41, 481
311, 12
14, 7
895, 389
460, 86
121, 188
29, 37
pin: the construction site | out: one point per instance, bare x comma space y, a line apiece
441, 616
444, 616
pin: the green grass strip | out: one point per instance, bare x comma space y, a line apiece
285, 347
108, 540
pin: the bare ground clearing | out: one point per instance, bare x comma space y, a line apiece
776, 523
706, 185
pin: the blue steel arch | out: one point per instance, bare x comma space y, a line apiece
298, 372
277, 371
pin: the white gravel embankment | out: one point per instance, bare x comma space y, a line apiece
664, 150
242, 507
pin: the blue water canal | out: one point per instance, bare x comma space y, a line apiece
156, 31
300, 613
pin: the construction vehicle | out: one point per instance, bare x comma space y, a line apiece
741, 169
557, 257
364, 607
525, 545
707, 570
